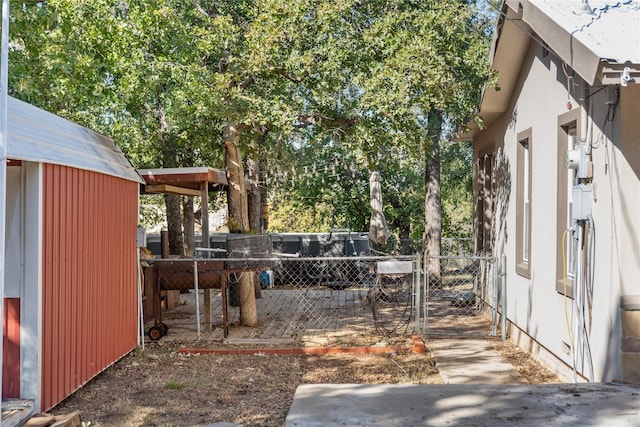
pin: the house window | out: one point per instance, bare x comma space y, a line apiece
484, 204
523, 207
568, 125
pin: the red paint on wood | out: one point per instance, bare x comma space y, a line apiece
11, 348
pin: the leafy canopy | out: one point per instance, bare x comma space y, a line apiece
353, 80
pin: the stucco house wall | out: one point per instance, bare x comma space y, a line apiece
546, 95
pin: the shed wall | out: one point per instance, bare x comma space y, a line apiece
89, 297
11, 348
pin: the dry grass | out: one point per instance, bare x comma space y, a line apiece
526, 364
162, 387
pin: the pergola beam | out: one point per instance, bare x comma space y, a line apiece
171, 189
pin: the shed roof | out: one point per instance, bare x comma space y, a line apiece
39, 136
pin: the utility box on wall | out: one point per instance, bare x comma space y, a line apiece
581, 202
141, 237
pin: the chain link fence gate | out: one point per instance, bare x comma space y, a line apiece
319, 300
464, 299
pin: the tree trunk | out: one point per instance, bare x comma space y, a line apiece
239, 218
188, 225
169, 159
174, 224
405, 245
265, 208
236, 193
433, 203
254, 199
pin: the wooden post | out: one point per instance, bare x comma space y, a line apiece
164, 244
151, 298
204, 220
225, 312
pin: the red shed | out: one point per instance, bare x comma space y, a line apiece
70, 306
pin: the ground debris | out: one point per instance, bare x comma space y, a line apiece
71, 419
149, 388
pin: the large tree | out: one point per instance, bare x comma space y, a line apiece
136, 70
173, 79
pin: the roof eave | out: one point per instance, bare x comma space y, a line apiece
506, 59
575, 54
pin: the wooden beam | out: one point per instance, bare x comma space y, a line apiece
171, 189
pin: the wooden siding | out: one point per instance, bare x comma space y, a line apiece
89, 298
11, 348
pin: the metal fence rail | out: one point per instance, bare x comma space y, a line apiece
461, 297
314, 299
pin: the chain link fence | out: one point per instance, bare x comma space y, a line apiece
321, 300
461, 296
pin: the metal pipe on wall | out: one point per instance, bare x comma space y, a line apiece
503, 297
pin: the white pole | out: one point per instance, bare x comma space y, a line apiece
417, 294
4, 86
140, 305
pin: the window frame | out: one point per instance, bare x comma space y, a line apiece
524, 182
568, 124
484, 204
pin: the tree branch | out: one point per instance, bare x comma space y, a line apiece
291, 77
200, 9
247, 82
305, 120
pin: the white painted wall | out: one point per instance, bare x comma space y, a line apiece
534, 305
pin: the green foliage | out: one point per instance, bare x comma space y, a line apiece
322, 183
338, 88
152, 211
173, 385
322, 189
456, 185
134, 70
329, 184
287, 216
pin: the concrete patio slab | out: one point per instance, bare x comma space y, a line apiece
465, 405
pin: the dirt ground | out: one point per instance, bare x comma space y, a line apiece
163, 387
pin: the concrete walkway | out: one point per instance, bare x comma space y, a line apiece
482, 390
472, 362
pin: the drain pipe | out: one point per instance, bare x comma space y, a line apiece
503, 296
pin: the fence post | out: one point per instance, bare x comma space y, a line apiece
425, 306
503, 296
495, 277
195, 287
417, 293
